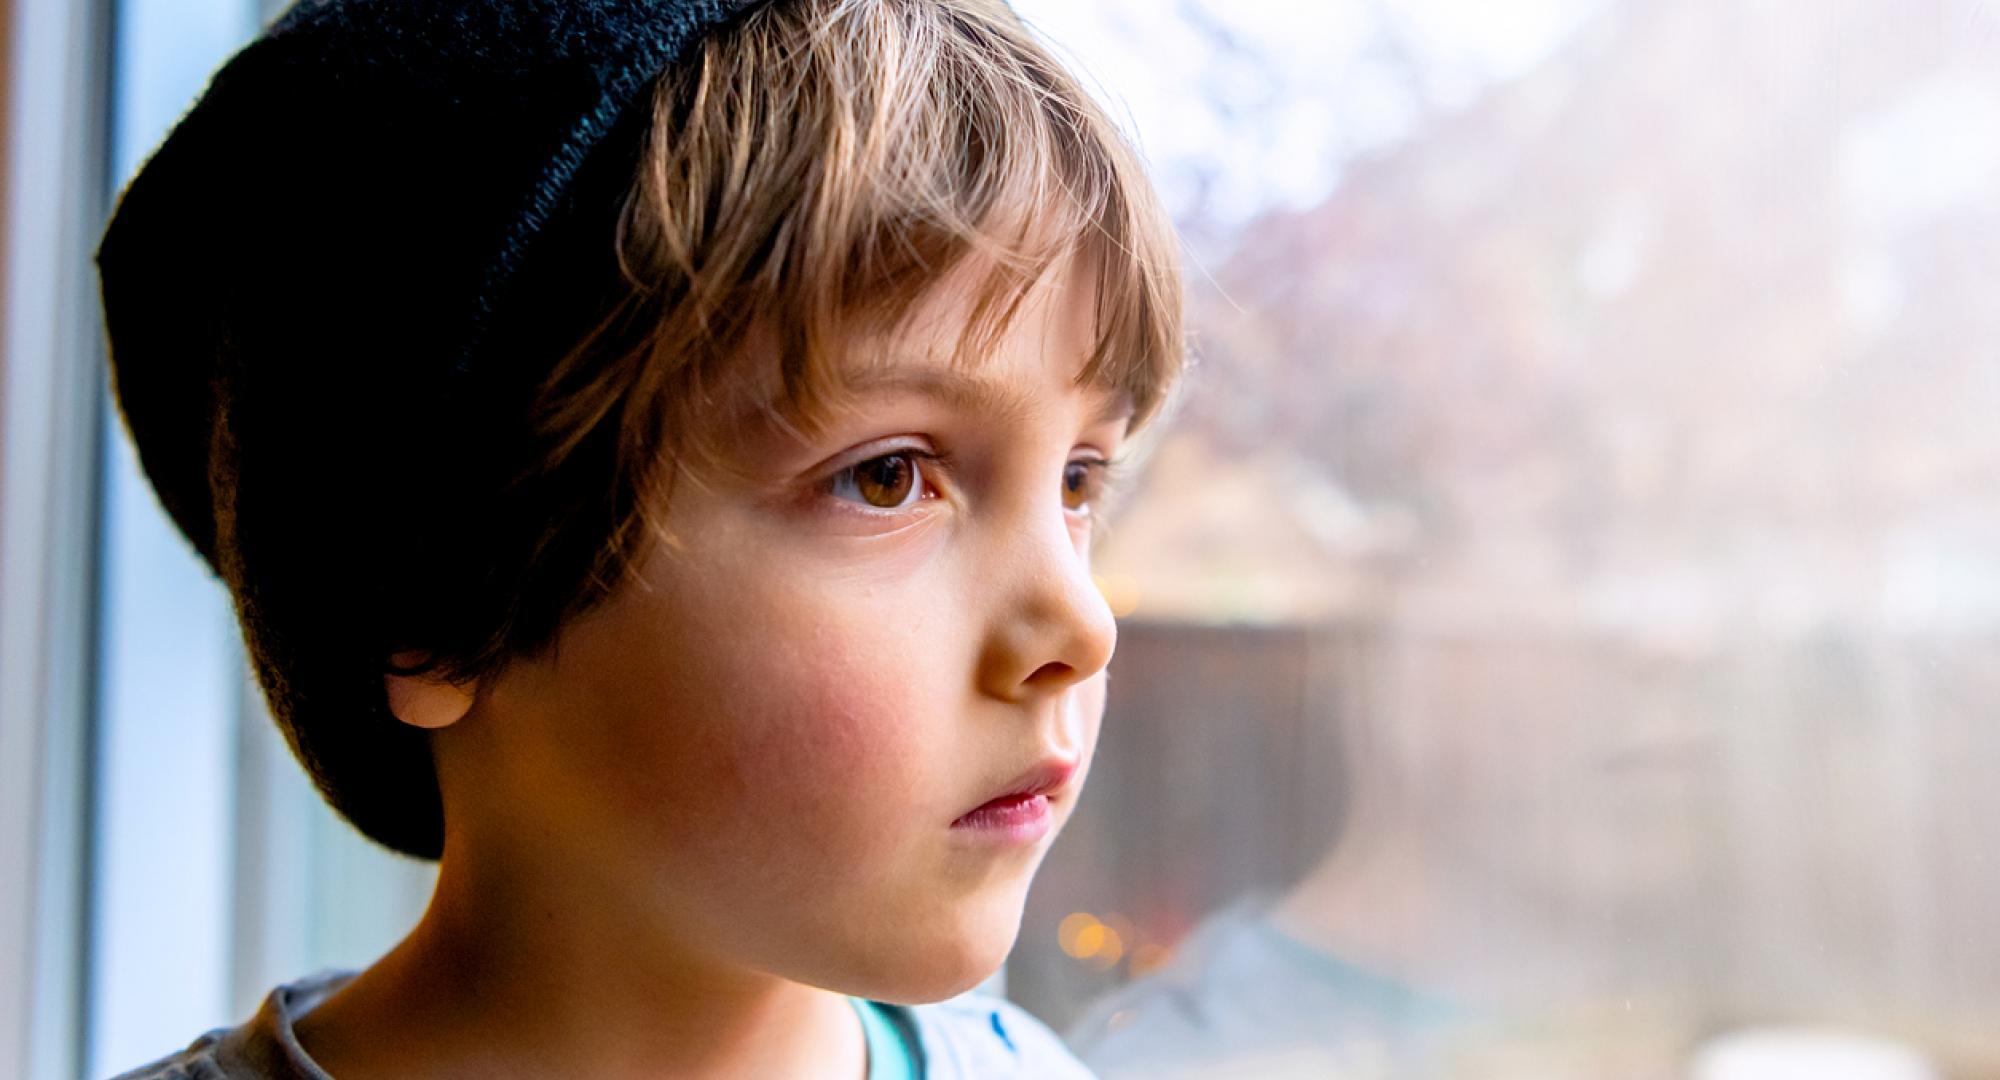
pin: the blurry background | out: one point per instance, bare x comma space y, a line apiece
1595, 449
1585, 507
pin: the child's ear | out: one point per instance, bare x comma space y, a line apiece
426, 701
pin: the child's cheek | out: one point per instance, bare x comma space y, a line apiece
840, 726
824, 747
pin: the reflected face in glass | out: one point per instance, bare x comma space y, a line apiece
761, 748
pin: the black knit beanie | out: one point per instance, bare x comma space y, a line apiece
323, 293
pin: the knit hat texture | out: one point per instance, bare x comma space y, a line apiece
380, 221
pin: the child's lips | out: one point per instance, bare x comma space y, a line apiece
1016, 818
1023, 806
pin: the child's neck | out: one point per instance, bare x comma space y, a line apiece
506, 976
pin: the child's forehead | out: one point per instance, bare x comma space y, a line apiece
884, 371
997, 391
766, 422
957, 341
993, 361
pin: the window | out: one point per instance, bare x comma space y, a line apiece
1559, 631
1560, 626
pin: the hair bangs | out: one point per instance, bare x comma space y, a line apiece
813, 174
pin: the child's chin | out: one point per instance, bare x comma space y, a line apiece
927, 988
934, 967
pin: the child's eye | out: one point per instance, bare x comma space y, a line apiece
885, 483
898, 480
1086, 483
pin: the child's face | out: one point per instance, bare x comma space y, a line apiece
761, 753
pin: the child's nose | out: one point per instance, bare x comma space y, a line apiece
1050, 627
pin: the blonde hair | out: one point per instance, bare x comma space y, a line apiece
821, 165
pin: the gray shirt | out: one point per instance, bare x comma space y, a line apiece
971, 1036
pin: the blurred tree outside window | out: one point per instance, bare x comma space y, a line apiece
1557, 632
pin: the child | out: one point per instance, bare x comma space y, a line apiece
653, 449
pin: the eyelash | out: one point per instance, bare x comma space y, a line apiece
1103, 476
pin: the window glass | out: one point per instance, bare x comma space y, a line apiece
1558, 630
166, 699
216, 871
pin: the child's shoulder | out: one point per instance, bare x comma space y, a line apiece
262, 1048
978, 1035
970, 1037
197, 1062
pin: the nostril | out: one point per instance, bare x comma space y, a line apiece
1054, 670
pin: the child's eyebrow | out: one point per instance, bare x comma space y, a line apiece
970, 393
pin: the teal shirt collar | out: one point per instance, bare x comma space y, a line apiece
890, 1054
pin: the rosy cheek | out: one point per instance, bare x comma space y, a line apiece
826, 735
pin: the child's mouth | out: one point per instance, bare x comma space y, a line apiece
1011, 819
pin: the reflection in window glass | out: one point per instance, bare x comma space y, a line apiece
1559, 629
